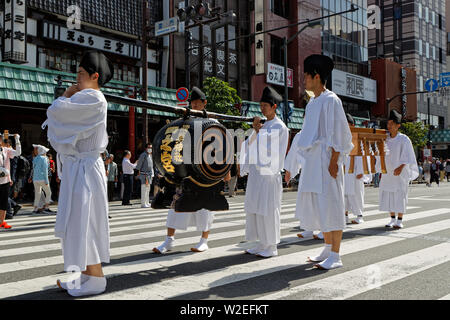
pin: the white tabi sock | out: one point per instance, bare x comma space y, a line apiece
323, 255
94, 285
332, 262
167, 245
270, 251
305, 234
65, 285
201, 246
392, 223
255, 250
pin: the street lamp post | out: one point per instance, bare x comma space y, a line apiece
286, 41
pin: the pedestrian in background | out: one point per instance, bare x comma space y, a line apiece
6, 154
447, 169
128, 173
40, 178
145, 167
234, 171
112, 173
427, 172
434, 172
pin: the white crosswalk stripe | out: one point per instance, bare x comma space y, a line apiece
34, 247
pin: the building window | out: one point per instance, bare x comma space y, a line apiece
280, 8
123, 72
277, 50
59, 60
397, 11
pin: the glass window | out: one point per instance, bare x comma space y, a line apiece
420, 47
333, 5
354, 32
364, 22
281, 8
338, 26
419, 9
344, 33
276, 50
427, 15
333, 25
231, 35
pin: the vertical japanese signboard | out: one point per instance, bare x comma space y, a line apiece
15, 31
259, 39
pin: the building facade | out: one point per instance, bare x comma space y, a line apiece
412, 33
345, 40
267, 53
46, 38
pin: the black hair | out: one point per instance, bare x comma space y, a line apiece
323, 77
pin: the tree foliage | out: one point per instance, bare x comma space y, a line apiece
222, 98
417, 132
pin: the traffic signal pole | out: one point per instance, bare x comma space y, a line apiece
187, 39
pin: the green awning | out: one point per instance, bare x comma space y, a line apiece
37, 85
440, 136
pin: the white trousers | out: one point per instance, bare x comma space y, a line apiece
265, 229
232, 185
145, 194
38, 187
201, 219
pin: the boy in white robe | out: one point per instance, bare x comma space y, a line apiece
77, 131
292, 165
401, 167
201, 219
262, 157
354, 185
323, 143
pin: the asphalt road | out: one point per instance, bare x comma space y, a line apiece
411, 263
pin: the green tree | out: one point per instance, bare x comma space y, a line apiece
417, 132
222, 98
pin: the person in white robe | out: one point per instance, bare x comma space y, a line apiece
354, 185
401, 167
292, 165
201, 219
324, 142
262, 158
77, 131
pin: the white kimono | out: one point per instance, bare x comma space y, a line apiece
394, 189
263, 159
77, 131
320, 199
354, 188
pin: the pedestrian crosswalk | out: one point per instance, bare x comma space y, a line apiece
373, 257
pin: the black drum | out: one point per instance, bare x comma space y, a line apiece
197, 149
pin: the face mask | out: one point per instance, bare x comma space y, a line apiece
149, 150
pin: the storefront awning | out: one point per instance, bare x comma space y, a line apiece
37, 85
440, 136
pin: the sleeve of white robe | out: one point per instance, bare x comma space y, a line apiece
75, 118
339, 136
408, 158
292, 163
243, 159
271, 146
359, 169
